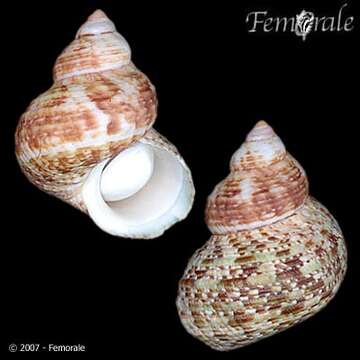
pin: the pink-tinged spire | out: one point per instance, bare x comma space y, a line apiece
262, 130
96, 23
97, 47
261, 148
96, 15
265, 184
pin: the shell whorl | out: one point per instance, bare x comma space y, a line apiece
99, 104
265, 184
276, 256
97, 47
240, 288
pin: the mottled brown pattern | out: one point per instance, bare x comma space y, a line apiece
92, 51
226, 207
90, 114
248, 284
289, 296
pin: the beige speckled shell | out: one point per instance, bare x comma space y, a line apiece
276, 255
99, 104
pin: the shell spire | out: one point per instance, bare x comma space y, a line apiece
97, 47
96, 23
265, 184
262, 147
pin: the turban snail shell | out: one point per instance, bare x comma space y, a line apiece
89, 141
276, 255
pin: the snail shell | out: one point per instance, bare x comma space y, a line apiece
89, 141
276, 255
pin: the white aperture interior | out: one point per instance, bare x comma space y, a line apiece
127, 173
139, 193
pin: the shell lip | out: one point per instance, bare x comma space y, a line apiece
136, 217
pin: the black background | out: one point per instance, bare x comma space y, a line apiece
66, 281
